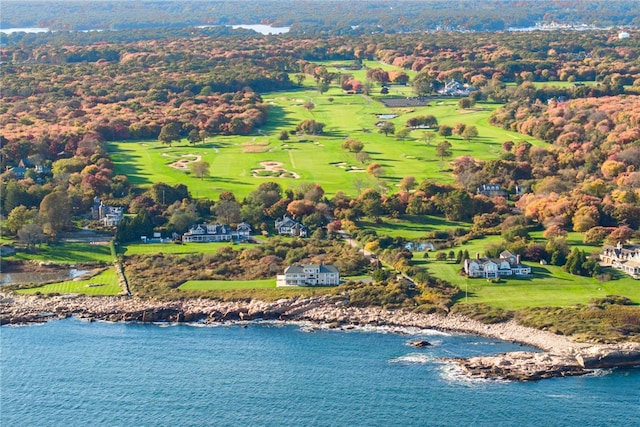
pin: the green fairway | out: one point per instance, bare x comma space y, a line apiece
549, 287
66, 253
105, 283
237, 162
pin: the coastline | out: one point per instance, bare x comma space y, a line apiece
559, 357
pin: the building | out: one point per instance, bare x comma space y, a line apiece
455, 88
109, 216
624, 259
309, 275
217, 233
290, 227
491, 190
492, 268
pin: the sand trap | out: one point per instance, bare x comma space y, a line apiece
274, 170
183, 164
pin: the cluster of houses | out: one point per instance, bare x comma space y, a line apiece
495, 190
204, 233
624, 259
27, 164
507, 264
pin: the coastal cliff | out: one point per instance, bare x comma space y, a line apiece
561, 356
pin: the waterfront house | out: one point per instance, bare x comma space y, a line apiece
309, 275
507, 264
217, 233
623, 259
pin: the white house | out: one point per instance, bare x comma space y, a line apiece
492, 268
491, 190
455, 88
623, 259
309, 275
109, 216
217, 233
288, 226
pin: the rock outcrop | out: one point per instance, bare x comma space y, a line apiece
562, 357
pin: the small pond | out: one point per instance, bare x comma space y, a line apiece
55, 275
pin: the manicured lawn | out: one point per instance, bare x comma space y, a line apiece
210, 285
411, 227
173, 248
66, 253
105, 283
550, 286
317, 159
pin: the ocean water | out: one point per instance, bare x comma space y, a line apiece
76, 373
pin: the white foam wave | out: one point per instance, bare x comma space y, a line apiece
599, 373
413, 358
453, 373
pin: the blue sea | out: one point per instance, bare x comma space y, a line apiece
76, 373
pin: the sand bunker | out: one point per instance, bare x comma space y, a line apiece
183, 164
273, 170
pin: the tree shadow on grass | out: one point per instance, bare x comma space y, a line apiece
277, 119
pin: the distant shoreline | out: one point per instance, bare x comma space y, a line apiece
561, 357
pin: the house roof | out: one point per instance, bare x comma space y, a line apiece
322, 268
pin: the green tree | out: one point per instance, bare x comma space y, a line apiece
283, 136
194, 136
445, 130
227, 211
469, 133
443, 150
323, 86
310, 127
200, 169
31, 234
353, 145
403, 133
387, 128
169, 133
55, 211
18, 218
422, 84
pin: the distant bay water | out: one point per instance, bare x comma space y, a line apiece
262, 29
76, 373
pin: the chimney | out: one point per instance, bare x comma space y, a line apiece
477, 255
517, 259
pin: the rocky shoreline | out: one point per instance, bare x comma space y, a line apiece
561, 356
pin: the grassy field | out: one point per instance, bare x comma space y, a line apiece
320, 159
411, 227
172, 248
210, 285
549, 287
66, 253
105, 283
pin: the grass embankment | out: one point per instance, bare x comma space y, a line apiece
104, 283
235, 160
66, 253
